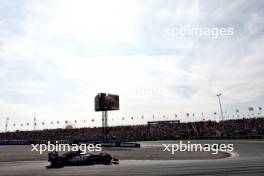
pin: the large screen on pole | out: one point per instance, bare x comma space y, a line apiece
106, 102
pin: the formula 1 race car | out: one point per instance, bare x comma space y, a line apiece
78, 159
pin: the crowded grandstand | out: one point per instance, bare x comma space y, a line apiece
227, 129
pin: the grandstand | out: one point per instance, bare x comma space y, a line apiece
231, 129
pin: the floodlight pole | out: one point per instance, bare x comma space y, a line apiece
34, 123
218, 95
6, 125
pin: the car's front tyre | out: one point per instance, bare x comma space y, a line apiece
106, 159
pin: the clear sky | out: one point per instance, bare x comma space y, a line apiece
55, 56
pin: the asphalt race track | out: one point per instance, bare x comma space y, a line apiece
249, 162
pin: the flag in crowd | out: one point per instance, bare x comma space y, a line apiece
251, 109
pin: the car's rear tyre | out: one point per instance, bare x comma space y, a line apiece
57, 163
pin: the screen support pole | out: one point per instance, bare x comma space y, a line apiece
105, 126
